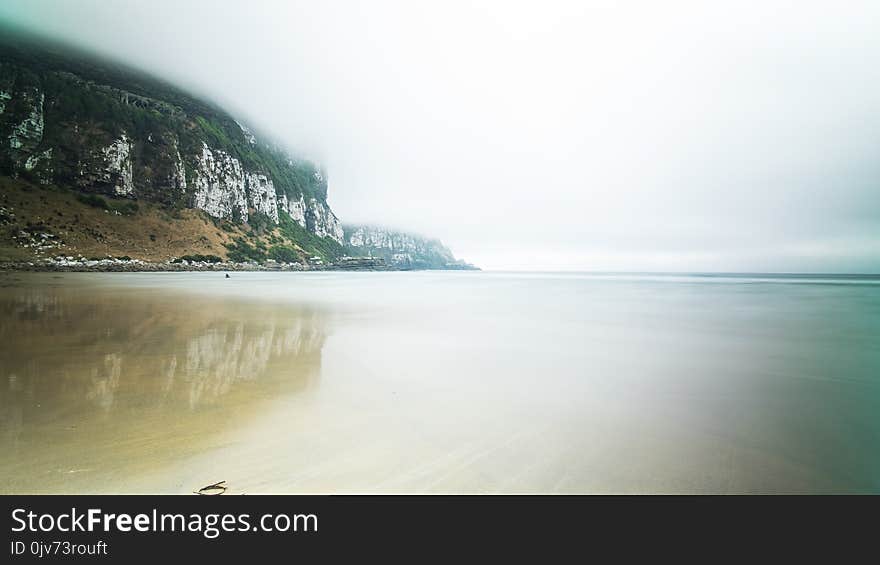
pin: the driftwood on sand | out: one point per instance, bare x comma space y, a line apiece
212, 489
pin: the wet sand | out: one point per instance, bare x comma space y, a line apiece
437, 382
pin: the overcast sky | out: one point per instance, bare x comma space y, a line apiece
710, 136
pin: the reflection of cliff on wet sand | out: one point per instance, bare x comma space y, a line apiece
104, 385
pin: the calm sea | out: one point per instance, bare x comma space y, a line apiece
454, 382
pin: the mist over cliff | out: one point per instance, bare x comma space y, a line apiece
106, 130
113, 135
400, 249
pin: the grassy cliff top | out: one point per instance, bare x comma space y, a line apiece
93, 93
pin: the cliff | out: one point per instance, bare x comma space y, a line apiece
98, 161
400, 250
95, 128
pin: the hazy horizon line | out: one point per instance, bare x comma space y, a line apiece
689, 273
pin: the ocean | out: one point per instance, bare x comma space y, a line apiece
439, 382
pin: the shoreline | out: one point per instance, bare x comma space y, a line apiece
137, 266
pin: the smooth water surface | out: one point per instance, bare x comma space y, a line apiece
439, 382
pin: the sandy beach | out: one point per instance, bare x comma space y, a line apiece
437, 382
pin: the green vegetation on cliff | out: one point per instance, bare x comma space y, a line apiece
119, 141
89, 102
98, 159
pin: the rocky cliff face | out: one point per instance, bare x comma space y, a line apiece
77, 124
399, 249
124, 144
